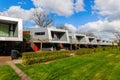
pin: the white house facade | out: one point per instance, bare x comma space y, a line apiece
50, 35
76, 38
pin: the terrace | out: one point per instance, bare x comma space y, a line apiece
58, 36
92, 40
77, 38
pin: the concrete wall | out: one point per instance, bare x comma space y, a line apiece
92, 40
60, 36
77, 38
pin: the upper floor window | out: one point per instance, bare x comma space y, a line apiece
7, 30
39, 33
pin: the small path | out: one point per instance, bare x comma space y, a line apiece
2, 63
20, 73
6, 60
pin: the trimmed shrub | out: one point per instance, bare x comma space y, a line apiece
38, 57
83, 51
93, 50
98, 49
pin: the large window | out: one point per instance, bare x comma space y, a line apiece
4, 30
7, 30
40, 33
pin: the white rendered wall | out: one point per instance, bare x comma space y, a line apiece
47, 35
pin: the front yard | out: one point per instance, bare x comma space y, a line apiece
7, 73
101, 65
92, 65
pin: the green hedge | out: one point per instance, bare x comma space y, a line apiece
83, 51
38, 57
93, 50
88, 51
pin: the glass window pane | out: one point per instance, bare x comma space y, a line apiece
4, 30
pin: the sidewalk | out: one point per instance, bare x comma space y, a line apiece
20, 73
6, 60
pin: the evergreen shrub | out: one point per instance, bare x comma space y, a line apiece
39, 57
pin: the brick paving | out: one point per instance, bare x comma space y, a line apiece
4, 59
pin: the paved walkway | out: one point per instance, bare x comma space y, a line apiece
18, 71
6, 60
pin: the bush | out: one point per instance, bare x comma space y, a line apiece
98, 49
92, 50
88, 50
83, 51
38, 57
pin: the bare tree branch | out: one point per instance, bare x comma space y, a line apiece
42, 19
117, 35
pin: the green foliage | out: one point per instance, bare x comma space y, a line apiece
83, 51
93, 50
38, 57
26, 37
6, 73
103, 65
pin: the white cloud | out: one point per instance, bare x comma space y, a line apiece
107, 35
18, 12
79, 5
21, 3
109, 8
70, 27
103, 27
60, 7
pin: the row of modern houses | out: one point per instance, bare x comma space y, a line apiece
11, 30
53, 35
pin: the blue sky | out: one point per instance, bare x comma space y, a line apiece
79, 18
5, 4
97, 16
76, 19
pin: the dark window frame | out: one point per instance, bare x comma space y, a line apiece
39, 33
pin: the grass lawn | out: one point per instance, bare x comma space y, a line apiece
103, 65
7, 73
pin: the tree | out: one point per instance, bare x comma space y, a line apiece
90, 34
117, 35
42, 19
61, 26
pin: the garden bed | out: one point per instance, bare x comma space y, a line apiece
39, 57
